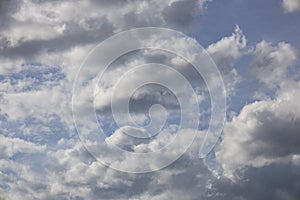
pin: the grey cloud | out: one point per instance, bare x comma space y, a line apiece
7, 8
79, 176
154, 94
274, 181
264, 132
228, 50
116, 3
279, 136
146, 96
260, 145
271, 62
151, 94
76, 36
180, 13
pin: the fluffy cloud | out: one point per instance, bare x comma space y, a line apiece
263, 132
271, 62
49, 26
68, 171
261, 142
227, 50
12, 146
39, 158
275, 181
42, 157
226, 53
291, 5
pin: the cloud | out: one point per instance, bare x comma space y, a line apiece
261, 142
226, 51
68, 171
291, 5
7, 9
263, 132
181, 13
22, 105
271, 62
54, 27
275, 181
12, 146
41, 156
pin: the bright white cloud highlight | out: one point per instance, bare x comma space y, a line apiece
291, 5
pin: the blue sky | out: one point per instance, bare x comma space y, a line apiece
69, 131
259, 20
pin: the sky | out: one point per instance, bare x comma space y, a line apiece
150, 99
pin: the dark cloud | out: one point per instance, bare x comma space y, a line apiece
148, 95
278, 136
75, 36
274, 181
115, 3
7, 8
180, 13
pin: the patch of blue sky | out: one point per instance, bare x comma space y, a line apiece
46, 131
259, 20
33, 77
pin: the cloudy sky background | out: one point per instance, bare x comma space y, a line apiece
255, 45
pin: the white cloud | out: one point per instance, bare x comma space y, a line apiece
63, 25
225, 54
12, 146
227, 50
22, 105
71, 173
264, 132
291, 5
272, 61
62, 33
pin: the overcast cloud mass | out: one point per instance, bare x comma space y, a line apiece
255, 46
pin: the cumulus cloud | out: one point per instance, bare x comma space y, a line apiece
68, 171
263, 132
227, 50
41, 157
275, 181
12, 146
271, 62
181, 13
35, 103
261, 142
56, 26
